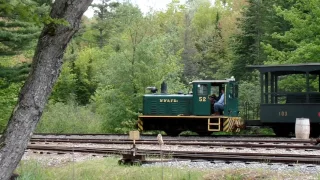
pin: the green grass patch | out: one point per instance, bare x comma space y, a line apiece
100, 169
108, 168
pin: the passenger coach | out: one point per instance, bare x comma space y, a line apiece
281, 105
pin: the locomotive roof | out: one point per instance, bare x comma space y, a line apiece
168, 95
313, 68
214, 81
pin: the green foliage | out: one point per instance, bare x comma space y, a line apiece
69, 118
31, 170
8, 99
213, 60
249, 91
118, 97
64, 88
104, 25
79, 76
302, 37
20, 23
16, 35
212, 27
258, 23
204, 17
14, 74
85, 68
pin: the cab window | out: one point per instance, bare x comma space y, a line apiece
233, 91
214, 90
202, 89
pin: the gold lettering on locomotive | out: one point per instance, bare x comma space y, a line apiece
202, 99
169, 100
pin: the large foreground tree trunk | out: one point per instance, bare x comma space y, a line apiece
46, 67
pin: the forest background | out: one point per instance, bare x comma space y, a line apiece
120, 51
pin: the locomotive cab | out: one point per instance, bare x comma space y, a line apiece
207, 92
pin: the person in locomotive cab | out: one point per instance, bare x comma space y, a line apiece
219, 106
213, 98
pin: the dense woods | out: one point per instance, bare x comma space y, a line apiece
120, 51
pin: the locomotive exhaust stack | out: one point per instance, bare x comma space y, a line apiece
164, 88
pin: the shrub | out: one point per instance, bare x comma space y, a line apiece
69, 118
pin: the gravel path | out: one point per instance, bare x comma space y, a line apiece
53, 159
221, 170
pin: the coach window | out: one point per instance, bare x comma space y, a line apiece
202, 89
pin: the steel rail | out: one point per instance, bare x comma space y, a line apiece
180, 140
184, 143
211, 156
148, 135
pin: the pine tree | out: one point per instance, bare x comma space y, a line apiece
104, 15
20, 24
259, 22
16, 36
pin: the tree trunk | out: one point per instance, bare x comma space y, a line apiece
46, 65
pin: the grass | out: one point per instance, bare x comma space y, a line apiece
107, 168
99, 169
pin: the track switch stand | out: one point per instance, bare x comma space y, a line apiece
132, 158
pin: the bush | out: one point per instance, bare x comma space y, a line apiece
69, 118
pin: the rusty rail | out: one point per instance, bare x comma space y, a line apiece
210, 156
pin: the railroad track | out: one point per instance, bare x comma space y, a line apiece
209, 156
151, 135
244, 143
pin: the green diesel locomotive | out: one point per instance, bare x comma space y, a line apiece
174, 113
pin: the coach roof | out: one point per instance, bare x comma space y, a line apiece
313, 68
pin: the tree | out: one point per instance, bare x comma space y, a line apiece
213, 56
19, 24
19, 30
302, 40
247, 47
46, 65
105, 13
258, 24
146, 51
